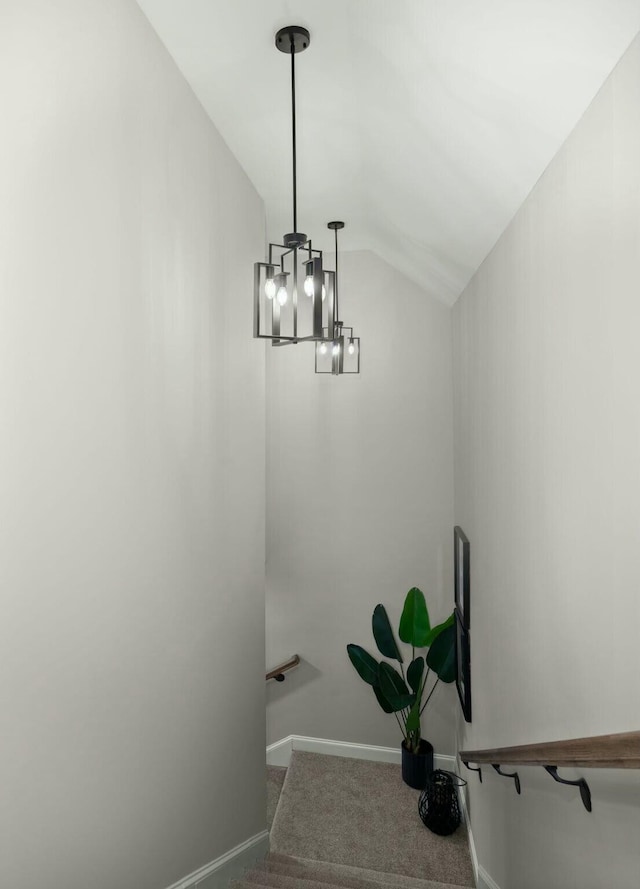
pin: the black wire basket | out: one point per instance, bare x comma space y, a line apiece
438, 804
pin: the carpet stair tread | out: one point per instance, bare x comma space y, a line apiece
342, 875
306, 876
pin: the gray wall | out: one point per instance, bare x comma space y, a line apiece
547, 438
132, 453
359, 504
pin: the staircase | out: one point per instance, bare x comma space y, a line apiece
349, 824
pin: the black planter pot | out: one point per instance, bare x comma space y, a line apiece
416, 767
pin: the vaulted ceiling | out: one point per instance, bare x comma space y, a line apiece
423, 124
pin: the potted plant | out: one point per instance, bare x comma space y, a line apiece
406, 694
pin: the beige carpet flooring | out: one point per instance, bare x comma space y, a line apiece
361, 815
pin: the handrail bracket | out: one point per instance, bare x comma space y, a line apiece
278, 672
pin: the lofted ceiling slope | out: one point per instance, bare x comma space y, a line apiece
423, 124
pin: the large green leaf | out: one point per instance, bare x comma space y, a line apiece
393, 688
414, 673
391, 680
435, 631
384, 703
366, 665
441, 657
383, 634
414, 623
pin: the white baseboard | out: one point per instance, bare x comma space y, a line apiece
230, 866
484, 880
279, 754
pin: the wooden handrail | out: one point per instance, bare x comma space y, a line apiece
620, 751
278, 672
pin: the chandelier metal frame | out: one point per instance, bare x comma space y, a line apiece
277, 314
273, 319
345, 350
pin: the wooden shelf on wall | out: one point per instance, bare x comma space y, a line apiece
619, 751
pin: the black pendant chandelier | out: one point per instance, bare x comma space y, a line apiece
278, 314
339, 353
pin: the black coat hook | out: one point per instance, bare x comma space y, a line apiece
472, 769
585, 793
513, 775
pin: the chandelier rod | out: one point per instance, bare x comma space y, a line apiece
293, 128
335, 226
337, 314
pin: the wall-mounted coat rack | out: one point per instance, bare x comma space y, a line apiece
617, 751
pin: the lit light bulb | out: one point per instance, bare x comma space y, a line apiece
308, 285
336, 349
324, 293
323, 349
283, 296
269, 288
352, 348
